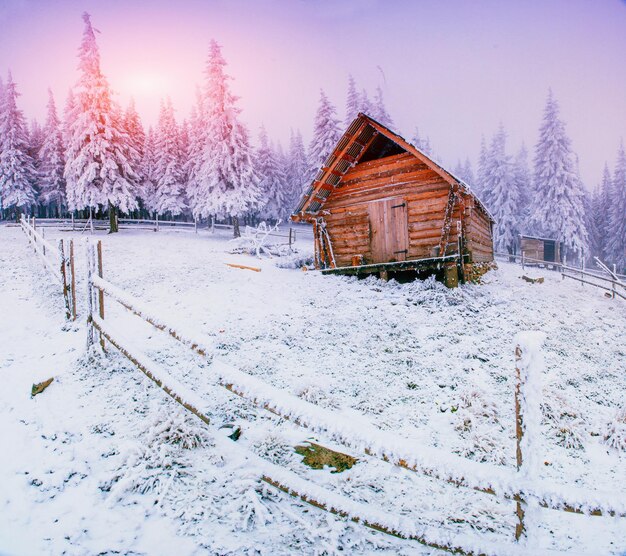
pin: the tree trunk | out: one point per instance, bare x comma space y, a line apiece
112, 219
236, 231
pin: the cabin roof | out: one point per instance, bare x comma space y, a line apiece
366, 139
524, 236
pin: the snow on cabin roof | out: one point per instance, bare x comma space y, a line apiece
351, 148
524, 236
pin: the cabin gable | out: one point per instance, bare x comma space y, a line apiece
378, 200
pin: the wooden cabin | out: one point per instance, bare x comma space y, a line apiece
541, 249
380, 205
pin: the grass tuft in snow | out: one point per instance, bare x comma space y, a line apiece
615, 433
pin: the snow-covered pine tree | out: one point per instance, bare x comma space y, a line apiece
35, 142
422, 144
479, 187
365, 104
17, 169
557, 210
147, 186
523, 184
602, 212
272, 180
326, 134
169, 197
617, 215
228, 185
99, 154
468, 173
52, 162
380, 113
352, 102
298, 175
197, 140
501, 195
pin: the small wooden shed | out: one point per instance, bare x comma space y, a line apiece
541, 249
380, 205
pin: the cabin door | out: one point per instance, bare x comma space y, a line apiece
548, 251
389, 231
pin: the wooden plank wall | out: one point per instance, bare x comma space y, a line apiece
405, 177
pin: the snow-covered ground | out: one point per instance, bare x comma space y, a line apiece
103, 461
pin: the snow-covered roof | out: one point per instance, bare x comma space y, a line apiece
524, 236
354, 143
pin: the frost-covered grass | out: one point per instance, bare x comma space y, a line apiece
430, 365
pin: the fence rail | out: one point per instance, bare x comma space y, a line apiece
497, 481
58, 260
591, 277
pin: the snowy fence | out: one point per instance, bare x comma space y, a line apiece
521, 485
289, 234
58, 260
605, 278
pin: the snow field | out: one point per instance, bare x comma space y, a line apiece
268, 323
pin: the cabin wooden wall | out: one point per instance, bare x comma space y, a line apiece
479, 233
532, 248
426, 193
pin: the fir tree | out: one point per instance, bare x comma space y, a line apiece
380, 113
616, 240
99, 155
602, 211
482, 168
35, 142
422, 144
197, 140
17, 169
227, 182
352, 102
147, 186
298, 174
365, 105
169, 197
557, 209
523, 184
52, 159
326, 134
272, 179
501, 194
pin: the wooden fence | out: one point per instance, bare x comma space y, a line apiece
58, 261
290, 234
605, 278
498, 481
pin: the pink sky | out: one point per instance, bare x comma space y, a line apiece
455, 69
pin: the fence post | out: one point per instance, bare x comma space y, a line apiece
66, 296
90, 256
72, 222
528, 374
290, 239
43, 243
613, 282
195, 225
72, 280
100, 292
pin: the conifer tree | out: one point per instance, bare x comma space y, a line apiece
616, 240
479, 187
523, 184
228, 185
52, 161
365, 105
422, 144
272, 180
197, 140
147, 186
298, 174
501, 195
352, 102
326, 134
169, 195
380, 113
136, 134
17, 169
557, 209
602, 213
99, 155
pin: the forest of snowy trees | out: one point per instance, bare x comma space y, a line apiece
98, 159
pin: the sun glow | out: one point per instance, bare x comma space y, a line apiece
146, 83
